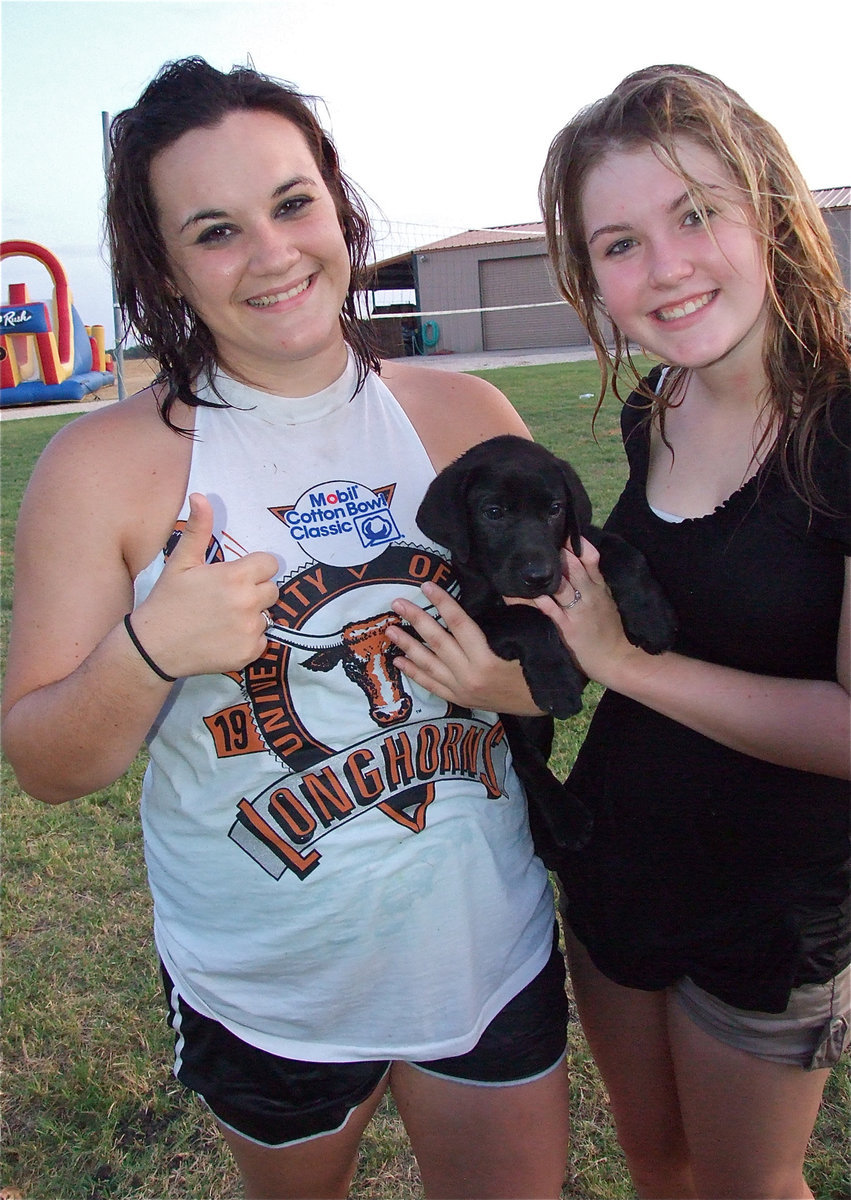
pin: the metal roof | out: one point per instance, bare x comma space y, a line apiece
486, 237
396, 271
838, 197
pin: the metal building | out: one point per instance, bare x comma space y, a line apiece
492, 289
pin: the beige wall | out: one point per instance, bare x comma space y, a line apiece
474, 277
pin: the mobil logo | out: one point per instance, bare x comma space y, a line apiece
341, 522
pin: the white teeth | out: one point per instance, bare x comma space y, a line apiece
683, 310
266, 301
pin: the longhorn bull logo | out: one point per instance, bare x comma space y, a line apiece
366, 655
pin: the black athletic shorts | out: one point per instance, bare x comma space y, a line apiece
279, 1101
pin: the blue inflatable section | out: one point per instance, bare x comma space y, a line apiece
75, 387
81, 382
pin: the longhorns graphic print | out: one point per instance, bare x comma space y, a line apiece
333, 770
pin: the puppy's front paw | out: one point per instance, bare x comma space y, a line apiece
556, 688
648, 619
650, 623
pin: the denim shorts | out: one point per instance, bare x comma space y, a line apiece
811, 1032
277, 1101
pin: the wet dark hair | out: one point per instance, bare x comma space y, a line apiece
806, 350
185, 95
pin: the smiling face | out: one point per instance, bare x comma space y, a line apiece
693, 295
256, 249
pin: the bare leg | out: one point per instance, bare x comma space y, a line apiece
748, 1120
320, 1169
486, 1143
627, 1031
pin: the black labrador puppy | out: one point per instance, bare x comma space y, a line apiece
504, 510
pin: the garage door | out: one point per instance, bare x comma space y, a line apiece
524, 280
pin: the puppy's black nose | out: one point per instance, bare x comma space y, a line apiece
538, 576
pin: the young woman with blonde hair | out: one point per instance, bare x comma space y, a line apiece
707, 918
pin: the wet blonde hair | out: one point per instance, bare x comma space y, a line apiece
806, 351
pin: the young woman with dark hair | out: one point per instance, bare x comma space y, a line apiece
346, 897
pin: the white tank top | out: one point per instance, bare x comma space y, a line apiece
341, 867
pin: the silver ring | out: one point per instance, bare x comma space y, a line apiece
268, 619
577, 596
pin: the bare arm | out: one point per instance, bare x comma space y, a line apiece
799, 723
79, 700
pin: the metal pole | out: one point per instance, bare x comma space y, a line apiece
116, 307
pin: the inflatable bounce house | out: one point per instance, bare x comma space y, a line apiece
46, 352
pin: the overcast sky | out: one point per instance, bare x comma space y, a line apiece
442, 111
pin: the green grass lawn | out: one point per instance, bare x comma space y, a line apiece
90, 1109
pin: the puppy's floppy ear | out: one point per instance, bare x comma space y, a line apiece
579, 517
442, 516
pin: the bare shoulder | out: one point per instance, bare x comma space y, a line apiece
107, 430
416, 385
121, 471
450, 411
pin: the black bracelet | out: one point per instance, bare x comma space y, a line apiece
145, 654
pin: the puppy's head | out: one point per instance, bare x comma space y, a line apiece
504, 509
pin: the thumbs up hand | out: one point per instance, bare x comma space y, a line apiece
191, 548
206, 618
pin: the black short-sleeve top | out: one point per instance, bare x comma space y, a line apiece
704, 861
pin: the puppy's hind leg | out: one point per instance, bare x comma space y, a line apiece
558, 820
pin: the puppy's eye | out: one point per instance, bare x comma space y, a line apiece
556, 508
493, 512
